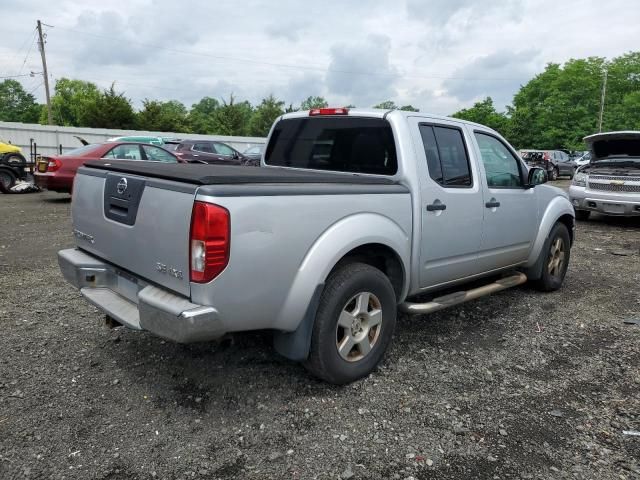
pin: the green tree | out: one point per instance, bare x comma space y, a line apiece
16, 105
110, 110
202, 114
391, 105
313, 102
160, 116
70, 99
388, 105
485, 113
622, 106
264, 115
558, 107
232, 118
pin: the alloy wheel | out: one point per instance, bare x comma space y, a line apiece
556, 258
359, 325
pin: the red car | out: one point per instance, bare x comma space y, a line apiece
56, 172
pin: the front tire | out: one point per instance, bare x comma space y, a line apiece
354, 324
555, 262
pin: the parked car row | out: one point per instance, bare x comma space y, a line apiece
57, 172
201, 151
556, 162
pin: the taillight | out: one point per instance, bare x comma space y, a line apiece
209, 241
328, 111
53, 165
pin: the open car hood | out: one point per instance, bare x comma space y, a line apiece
614, 145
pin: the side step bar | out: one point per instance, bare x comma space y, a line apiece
456, 298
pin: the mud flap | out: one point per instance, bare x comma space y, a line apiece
295, 345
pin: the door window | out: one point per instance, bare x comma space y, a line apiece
157, 154
502, 168
203, 147
447, 158
125, 152
223, 149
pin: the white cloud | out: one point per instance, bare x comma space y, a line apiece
439, 55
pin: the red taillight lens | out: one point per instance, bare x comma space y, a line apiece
328, 111
53, 164
209, 241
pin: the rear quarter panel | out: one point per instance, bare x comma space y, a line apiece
284, 246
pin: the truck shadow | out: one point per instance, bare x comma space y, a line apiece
240, 372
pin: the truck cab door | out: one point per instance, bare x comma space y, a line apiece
450, 202
510, 209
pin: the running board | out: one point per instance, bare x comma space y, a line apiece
457, 298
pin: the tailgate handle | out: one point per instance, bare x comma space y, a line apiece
121, 204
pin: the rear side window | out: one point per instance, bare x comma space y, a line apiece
447, 158
203, 147
125, 152
343, 144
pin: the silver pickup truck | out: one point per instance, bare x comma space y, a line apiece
352, 215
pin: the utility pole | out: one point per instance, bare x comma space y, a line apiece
45, 73
604, 94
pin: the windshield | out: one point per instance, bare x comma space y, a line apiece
81, 151
343, 144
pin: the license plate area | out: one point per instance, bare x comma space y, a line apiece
42, 167
613, 208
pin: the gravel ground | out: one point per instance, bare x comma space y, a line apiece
517, 385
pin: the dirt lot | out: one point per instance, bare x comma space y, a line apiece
518, 385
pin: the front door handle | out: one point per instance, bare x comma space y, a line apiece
436, 206
492, 204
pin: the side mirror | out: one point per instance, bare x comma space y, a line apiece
537, 176
236, 155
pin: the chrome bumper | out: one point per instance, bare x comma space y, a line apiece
137, 304
607, 203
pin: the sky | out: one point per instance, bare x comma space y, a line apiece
437, 55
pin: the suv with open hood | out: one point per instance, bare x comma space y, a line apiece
610, 183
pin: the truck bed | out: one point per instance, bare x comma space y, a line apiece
200, 174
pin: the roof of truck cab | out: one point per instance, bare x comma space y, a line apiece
201, 174
382, 113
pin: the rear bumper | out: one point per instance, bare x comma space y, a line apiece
137, 304
618, 204
57, 183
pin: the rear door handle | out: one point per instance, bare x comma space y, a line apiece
436, 206
492, 204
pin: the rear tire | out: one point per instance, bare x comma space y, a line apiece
556, 255
582, 214
554, 174
7, 180
354, 324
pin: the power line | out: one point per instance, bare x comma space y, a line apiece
31, 37
36, 87
312, 67
16, 76
28, 52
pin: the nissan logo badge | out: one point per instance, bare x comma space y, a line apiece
122, 186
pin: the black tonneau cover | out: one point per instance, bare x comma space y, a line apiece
200, 174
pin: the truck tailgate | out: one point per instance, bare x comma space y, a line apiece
138, 224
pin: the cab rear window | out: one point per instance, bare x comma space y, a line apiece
343, 144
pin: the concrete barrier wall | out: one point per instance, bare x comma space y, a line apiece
49, 138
